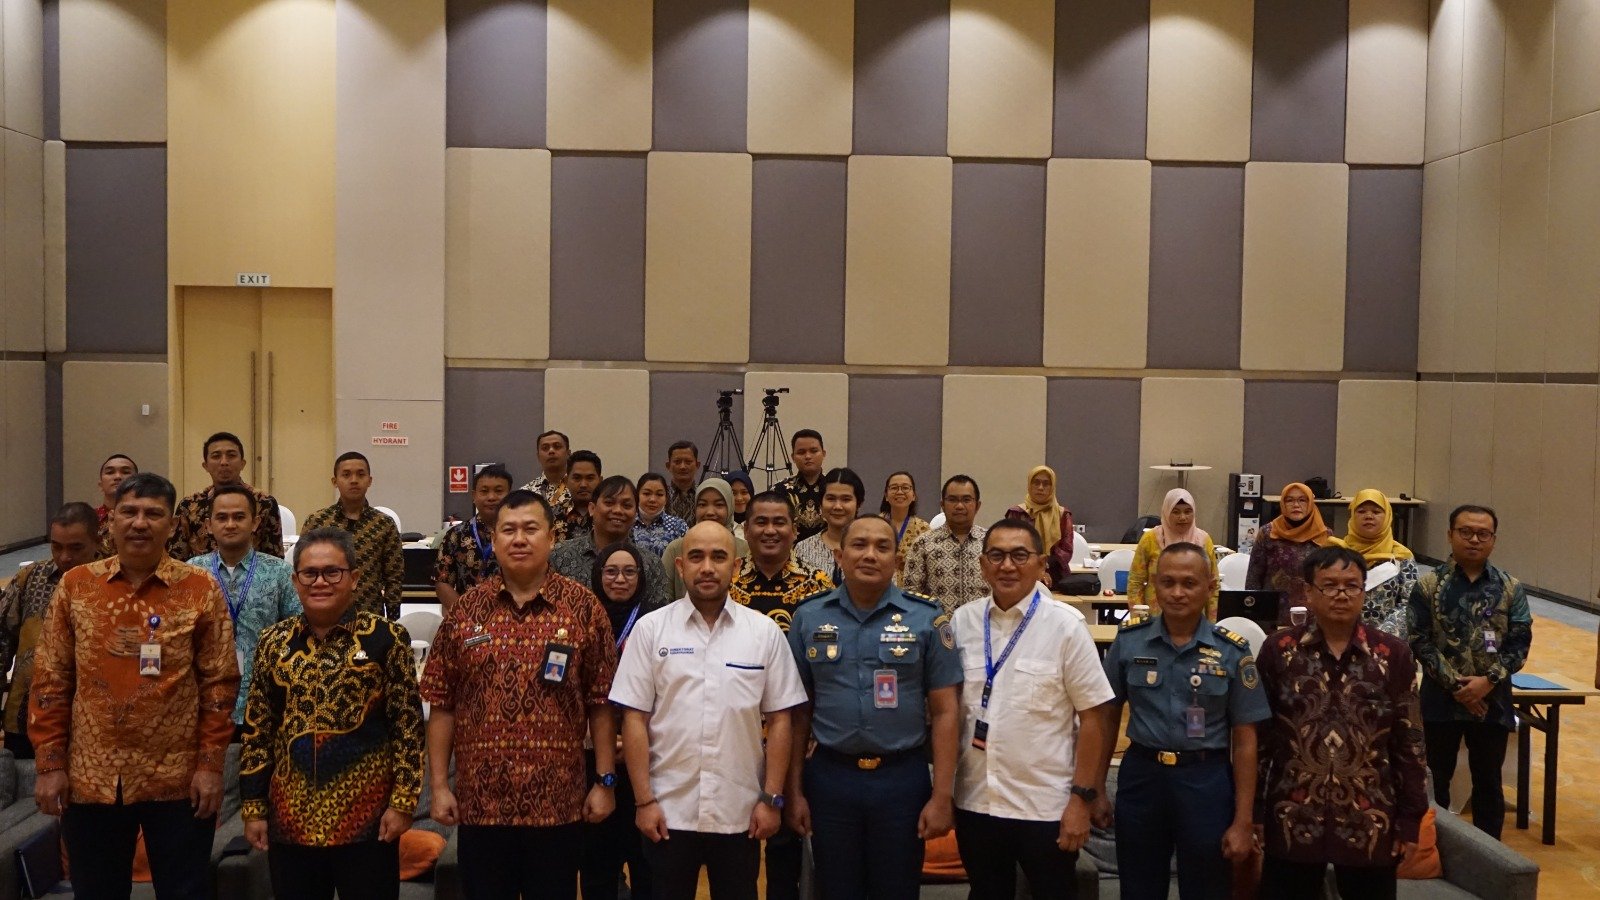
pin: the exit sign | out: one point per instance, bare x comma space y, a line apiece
253, 279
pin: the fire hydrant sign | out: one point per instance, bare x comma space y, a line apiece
390, 440
458, 479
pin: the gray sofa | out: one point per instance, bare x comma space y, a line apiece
20, 819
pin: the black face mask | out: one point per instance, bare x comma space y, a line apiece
1296, 522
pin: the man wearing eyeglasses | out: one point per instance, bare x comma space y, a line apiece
943, 564
1470, 630
1033, 680
331, 769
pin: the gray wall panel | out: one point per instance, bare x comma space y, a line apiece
1297, 109
1384, 271
495, 73
491, 415
597, 256
1196, 266
683, 406
52, 70
55, 482
1102, 75
797, 261
116, 248
895, 423
701, 71
1093, 444
997, 264
902, 77
1290, 431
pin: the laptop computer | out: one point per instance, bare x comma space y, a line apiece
1260, 606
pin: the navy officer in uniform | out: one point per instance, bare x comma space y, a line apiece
880, 665
1188, 779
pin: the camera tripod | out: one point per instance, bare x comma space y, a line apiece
770, 447
725, 454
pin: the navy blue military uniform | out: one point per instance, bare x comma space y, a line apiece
869, 674
1175, 786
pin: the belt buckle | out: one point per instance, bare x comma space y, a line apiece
868, 763
1167, 757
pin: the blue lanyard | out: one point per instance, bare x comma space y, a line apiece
991, 668
244, 589
627, 627
483, 552
902, 535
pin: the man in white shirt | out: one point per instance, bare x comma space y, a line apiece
695, 679
1035, 715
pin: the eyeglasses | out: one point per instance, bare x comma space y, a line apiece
1338, 591
1019, 556
331, 575
1481, 535
612, 573
899, 488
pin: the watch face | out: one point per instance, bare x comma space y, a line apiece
608, 780
777, 801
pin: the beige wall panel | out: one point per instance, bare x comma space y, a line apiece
1477, 260
605, 410
599, 80
1472, 410
1577, 58
977, 409
114, 69
250, 152
1200, 79
1387, 86
497, 254
1433, 467
1447, 21
1377, 444
1565, 531
22, 505
1295, 225
1483, 60
897, 261
55, 247
1195, 419
101, 414
1436, 301
23, 35
406, 479
697, 257
1097, 263
1529, 74
1514, 482
802, 76
24, 243
1524, 257
1002, 77
1573, 317
818, 400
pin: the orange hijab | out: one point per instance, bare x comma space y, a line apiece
1310, 529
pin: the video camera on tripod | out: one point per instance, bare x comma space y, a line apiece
725, 453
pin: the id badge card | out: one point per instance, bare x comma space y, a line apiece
150, 659
885, 689
556, 659
980, 735
1491, 641
1194, 722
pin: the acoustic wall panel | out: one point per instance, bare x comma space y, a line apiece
1446, 36
1471, 457
496, 71
1483, 55
1200, 78
1298, 108
1382, 269
22, 34
1196, 265
1437, 279
701, 75
599, 82
897, 261
1377, 437
1564, 535
1529, 65
1290, 431
497, 254
895, 425
22, 483
1295, 228
1477, 259
102, 405
1577, 59
978, 407
683, 407
55, 247
1386, 95
23, 239
1002, 55
1198, 420
1102, 76
697, 257
902, 77
618, 429
1097, 263
1433, 430
597, 225
1514, 484
116, 249
1574, 230
816, 400
1524, 258
997, 263
797, 261
801, 84
113, 70
495, 415
1098, 476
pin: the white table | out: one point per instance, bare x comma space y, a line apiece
1183, 471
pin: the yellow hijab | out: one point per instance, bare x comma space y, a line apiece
1385, 547
1046, 518
1310, 530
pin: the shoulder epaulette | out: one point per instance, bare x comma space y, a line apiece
1232, 637
1134, 621
810, 597
922, 598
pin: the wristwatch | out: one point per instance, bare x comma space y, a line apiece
773, 800
1088, 794
607, 779
1494, 677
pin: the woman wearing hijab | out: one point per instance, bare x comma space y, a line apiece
1372, 535
899, 506
1177, 527
713, 502
1053, 521
1283, 545
743, 489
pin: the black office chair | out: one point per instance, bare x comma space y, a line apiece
1140, 526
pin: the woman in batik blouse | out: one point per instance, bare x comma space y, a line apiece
1283, 545
1388, 561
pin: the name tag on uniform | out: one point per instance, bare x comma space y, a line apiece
885, 689
1491, 641
1194, 722
150, 659
475, 640
1144, 660
821, 635
556, 657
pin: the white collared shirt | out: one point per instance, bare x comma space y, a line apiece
1052, 672
706, 689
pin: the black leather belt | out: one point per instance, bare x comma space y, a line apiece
868, 762
1176, 757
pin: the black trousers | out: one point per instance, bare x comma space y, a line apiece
864, 827
369, 870
1486, 756
1285, 880
100, 842
731, 861
608, 845
783, 854
504, 862
992, 848
19, 745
